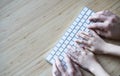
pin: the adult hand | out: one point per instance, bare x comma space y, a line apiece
72, 68
106, 24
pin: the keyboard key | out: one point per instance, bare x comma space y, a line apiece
80, 16
61, 49
52, 61
66, 34
74, 23
85, 17
85, 24
58, 44
72, 34
87, 21
69, 38
82, 28
64, 37
63, 46
72, 27
53, 52
55, 48
66, 42
58, 53
69, 30
61, 57
82, 13
85, 9
83, 20
77, 20
89, 12
49, 57
80, 24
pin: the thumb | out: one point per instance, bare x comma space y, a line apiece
103, 33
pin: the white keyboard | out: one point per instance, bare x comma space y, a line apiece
69, 36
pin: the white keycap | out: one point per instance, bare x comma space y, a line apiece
69, 30
66, 34
74, 31
61, 49
69, 38
72, 34
82, 13
55, 48
71, 43
53, 52
64, 37
85, 9
58, 53
63, 46
89, 12
58, 44
61, 57
52, 61
85, 24
80, 16
77, 20
49, 57
83, 20
87, 21
74, 23
72, 26
82, 28
92, 13
80, 24
63, 54
66, 42
85, 17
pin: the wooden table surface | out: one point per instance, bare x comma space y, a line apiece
30, 28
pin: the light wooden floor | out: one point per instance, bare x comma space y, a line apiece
30, 28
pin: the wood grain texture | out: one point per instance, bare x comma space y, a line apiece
30, 28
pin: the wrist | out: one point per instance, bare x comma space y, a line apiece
105, 48
97, 70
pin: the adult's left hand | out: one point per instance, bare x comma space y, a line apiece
72, 68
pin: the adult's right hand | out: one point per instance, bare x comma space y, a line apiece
106, 24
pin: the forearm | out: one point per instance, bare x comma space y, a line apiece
112, 49
97, 70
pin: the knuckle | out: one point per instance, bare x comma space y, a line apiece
113, 18
71, 71
106, 11
93, 49
108, 24
90, 42
103, 11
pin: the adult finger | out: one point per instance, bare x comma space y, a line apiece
81, 50
84, 35
60, 66
70, 67
103, 33
55, 71
94, 33
77, 67
105, 13
97, 26
97, 18
86, 43
71, 54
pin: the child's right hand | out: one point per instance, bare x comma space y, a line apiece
106, 24
92, 42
